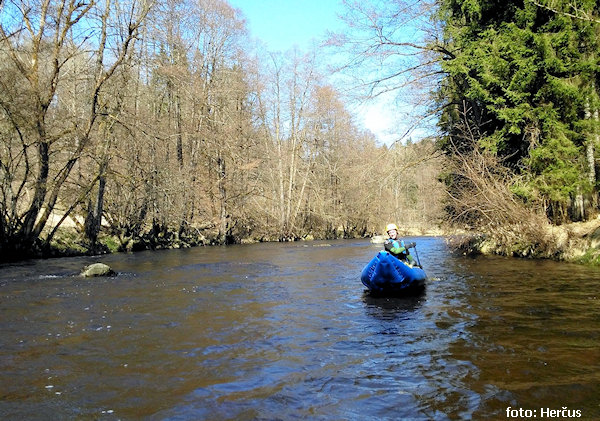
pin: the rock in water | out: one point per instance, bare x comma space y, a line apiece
97, 269
378, 239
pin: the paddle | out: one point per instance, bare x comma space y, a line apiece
414, 246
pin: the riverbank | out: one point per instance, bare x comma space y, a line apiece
577, 242
69, 242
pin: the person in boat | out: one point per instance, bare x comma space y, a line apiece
396, 247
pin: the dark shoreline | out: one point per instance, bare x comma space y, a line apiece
580, 243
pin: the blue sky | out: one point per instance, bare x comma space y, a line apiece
281, 24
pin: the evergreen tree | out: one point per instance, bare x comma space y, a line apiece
523, 78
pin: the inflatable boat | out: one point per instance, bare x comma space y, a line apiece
387, 275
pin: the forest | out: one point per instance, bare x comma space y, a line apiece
129, 124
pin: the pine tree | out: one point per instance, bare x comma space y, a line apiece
523, 78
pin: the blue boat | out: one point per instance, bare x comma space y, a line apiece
387, 275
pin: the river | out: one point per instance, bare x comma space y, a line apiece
286, 331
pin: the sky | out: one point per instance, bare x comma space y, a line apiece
283, 24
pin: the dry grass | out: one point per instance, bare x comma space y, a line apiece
506, 225
484, 202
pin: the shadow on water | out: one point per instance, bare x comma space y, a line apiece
391, 308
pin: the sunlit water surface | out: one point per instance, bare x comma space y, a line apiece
286, 331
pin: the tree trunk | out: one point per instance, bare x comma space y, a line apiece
591, 162
221, 174
590, 155
41, 189
578, 208
179, 131
93, 220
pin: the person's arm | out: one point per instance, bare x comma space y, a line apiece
395, 247
388, 244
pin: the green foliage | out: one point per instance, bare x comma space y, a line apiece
523, 84
67, 242
591, 257
556, 169
111, 243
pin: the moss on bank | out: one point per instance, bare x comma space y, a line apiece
69, 242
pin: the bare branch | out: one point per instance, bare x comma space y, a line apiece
577, 12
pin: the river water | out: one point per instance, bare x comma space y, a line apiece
286, 331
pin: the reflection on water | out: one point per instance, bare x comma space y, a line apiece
286, 331
392, 308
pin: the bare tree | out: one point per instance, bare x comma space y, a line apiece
482, 197
392, 49
283, 108
567, 8
38, 41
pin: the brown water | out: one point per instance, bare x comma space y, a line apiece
286, 331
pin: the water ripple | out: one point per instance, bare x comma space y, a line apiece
286, 331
